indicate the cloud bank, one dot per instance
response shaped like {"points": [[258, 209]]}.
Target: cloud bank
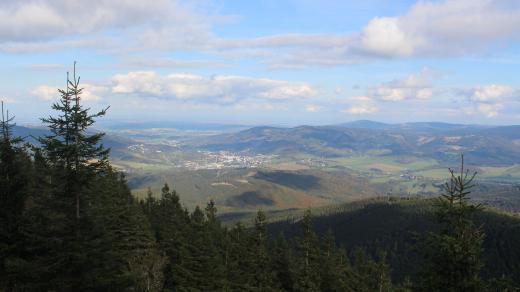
{"points": [[428, 29]]}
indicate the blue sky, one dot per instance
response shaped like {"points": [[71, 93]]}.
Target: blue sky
{"points": [[266, 62]]}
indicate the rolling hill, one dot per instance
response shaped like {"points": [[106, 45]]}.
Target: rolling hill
{"points": [[396, 226], [250, 189], [482, 145], [315, 165]]}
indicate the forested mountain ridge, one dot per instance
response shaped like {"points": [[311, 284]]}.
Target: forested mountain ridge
{"points": [[396, 226], [482, 144], [488, 145]]}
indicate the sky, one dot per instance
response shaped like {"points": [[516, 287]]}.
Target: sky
{"points": [[279, 62]]}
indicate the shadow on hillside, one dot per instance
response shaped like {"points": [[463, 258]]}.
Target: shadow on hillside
{"points": [[250, 199], [289, 179]]}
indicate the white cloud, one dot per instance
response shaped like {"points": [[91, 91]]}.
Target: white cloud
{"points": [[91, 93], [464, 26], [414, 86], [312, 108], [45, 92], [385, 37], [362, 98], [47, 19], [7, 100], [219, 88], [489, 100], [442, 28], [111, 27], [361, 109], [489, 110], [362, 105], [238, 91], [430, 28], [491, 93]]}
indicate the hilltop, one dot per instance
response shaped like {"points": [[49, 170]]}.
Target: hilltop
{"points": [[396, 226]]}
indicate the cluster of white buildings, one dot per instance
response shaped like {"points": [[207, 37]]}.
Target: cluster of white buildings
{"points": [[225, 159], [206, 159]]}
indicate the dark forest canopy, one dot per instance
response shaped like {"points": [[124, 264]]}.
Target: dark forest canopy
{"points": [[70, 223]]}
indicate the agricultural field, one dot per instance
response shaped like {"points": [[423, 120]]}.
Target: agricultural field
{"points": [[284, 168]]}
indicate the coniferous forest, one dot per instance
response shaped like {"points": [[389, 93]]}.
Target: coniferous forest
{"points": [[70, 223]]}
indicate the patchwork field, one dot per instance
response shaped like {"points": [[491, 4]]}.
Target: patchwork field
{"points": [[284, 168]]}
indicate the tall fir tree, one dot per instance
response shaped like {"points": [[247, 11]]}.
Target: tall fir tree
{"points": [[369, 274], [203, 260], [15, 172], [307, 268], [121, 248], [237, 259], [453, 255], [171, 224], [263, 276], [334, 266], [282, 263], [70, 147], [56, 230]]}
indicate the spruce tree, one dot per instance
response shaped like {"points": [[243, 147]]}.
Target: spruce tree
{"points": [[333, 266], [149, 204], [237, 259], [370, 275], [263, 277], [171, 225], [122, 251], [453, 255], [70, 147], [199, 258], [56, 231], [307, 269], [15, 166], [282, 263]]}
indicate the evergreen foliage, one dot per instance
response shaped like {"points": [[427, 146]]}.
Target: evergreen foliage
{"points": [[68, 222], [308, 269], [15, 171], [70, 147], [454, 254], [71, 223]]}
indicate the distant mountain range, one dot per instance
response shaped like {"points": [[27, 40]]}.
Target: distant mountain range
{"points": [[485, 145], [30, 134], [435, 126], [183, 126], [316, 165]]}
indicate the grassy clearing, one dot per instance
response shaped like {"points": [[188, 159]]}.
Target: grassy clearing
{"points": [[436, 173], [487, 172], [380, 179], [385, 167], [500, 172], [147, 167], [288, 166]]}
